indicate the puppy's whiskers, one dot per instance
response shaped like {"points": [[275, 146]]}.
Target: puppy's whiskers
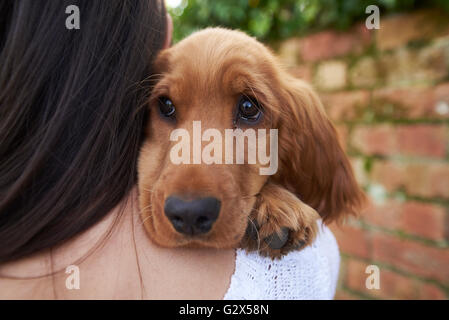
{"points": [[150, 206], [146, 218], [257, 233]]}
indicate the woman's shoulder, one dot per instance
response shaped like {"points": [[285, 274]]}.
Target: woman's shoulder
{"points": [[310, 273]]}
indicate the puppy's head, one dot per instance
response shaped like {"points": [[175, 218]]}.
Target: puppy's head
{"points": [[195, 190]]}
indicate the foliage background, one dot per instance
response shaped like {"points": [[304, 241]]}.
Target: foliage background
{"points": [[270, 20]]}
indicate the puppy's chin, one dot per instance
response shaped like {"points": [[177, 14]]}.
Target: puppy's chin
{"points": [[226, 233], [169, 238]]}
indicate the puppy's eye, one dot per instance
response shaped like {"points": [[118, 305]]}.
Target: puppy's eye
{"points": [[166, 107], [249, 109]]}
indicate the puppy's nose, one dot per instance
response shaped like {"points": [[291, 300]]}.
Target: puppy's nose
{"points": [[192, 217]]}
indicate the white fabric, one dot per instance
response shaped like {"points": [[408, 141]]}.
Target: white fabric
{"points": [[308, 274]]}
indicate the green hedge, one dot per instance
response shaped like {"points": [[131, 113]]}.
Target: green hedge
{"points": [[280, 19]]}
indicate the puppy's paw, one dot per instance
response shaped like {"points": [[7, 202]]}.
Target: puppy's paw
{"points": [[280, 223], [276, 240]]}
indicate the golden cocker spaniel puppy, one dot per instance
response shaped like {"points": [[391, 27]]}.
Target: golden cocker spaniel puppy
{"points": [[218, 80]]}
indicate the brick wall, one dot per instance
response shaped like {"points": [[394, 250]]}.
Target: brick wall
{"points": [[387, 91]]}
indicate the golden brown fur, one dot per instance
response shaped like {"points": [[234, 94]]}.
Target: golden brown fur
{"points": [[204, 75]]}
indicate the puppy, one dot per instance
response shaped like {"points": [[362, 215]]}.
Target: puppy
{"points": [[223, 79]]}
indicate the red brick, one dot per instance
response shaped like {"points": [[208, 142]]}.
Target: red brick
{"points": [[410, 140], [365, 73], [331, 75], [352, 240], [388, 174], [342, 274], [430, 292], [441, 93], [439, 180], [358, 166], [416, 218], [396, 286], [344, 295], [392, 284], [380, 139], [345, 105], [386, 215], [407, 66], [302, 72], [426, 180], [329, 44], [412, 102], [422, 260], [355, 275], [289, 51], [423, 140], [425, 220], [422, 24]]}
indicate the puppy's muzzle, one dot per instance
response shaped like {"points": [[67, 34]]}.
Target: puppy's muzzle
{"points": [[192, 217]]}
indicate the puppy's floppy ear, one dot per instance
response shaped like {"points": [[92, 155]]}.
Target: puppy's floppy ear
{"points": [[312, 163], [162, 61]]}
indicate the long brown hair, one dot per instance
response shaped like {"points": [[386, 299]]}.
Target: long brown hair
{"points": [[70, 117]]}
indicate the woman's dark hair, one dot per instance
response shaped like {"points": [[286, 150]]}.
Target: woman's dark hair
{"points": [[71, 120]]}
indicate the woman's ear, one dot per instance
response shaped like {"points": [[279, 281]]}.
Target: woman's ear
{"points": [[312, 162], [169, 32]]}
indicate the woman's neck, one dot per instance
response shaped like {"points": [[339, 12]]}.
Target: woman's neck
{"points": [[116, 260]]}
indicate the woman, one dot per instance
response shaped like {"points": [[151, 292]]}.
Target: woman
{"points": [[72, 110]]}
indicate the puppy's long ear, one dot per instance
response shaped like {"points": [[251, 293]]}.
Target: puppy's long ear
{"points": [[312, 162]]}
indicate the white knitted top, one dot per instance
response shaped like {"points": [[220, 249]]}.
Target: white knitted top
{"points": [[308, 274]]}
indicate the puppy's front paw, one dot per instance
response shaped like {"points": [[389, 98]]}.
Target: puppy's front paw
{"points": [[280, 223]]}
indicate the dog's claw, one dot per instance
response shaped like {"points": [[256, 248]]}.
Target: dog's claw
{"points": [[298, 245], [252, 230], [277, 241]]}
